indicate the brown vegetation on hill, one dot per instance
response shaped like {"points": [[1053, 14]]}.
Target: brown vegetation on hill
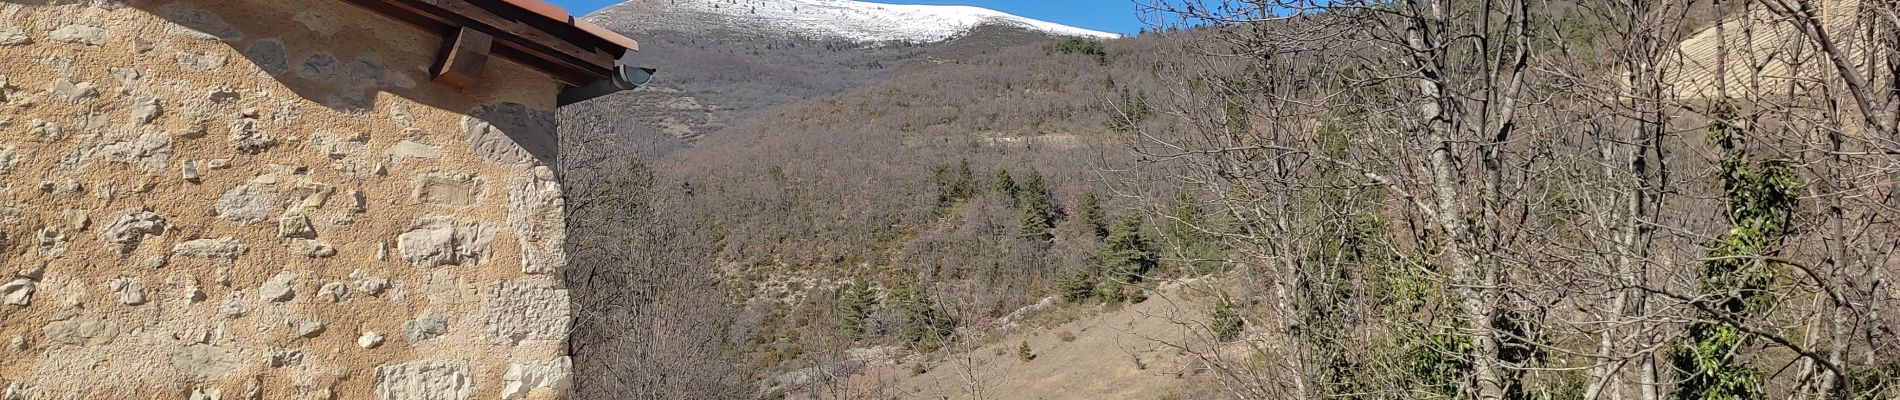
{"points": [[1489, 200], [1423, 199], [894, 188]]}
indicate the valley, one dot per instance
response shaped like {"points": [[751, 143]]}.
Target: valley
{"points": [[828, 199]]}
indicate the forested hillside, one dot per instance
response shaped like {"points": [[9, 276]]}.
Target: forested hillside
{"points": [[956, 191], [1443, 200]]}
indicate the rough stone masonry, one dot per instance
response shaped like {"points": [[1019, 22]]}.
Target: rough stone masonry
{"points": [[249, 199]]}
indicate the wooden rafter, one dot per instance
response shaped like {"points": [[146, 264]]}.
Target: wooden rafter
{"points": [[462, 58]]}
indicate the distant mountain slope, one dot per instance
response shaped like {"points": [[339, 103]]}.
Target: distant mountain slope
{"points": [[719, 65], [805, 160], [827, 19], [1748, 43]]}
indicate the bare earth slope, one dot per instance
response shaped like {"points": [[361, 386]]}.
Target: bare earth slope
{"points": [[1135, 352]]}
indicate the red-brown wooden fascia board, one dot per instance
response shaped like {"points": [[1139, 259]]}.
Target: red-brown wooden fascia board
{"points": [[608, 34], [532, 32]]}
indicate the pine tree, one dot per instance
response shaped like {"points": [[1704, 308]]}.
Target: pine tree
{"points": [[1005, 185], [943, 179], [1039, 211], [927, 327], [1035, 225], [1196, 250], [966, 181], [854, 306], [1129, 111], [1034, 192], [1127, 255], [1078, 287], [954, 185], [1093, 221]]}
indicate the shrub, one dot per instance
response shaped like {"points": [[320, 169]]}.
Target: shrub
{"points": [[1227, 322], [1023, 352], [1439, 364]]}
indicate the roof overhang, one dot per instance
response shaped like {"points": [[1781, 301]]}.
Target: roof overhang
{"points": [[531, 32]]}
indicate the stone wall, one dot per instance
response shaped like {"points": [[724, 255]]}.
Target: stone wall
{"points": [[267, 199]]}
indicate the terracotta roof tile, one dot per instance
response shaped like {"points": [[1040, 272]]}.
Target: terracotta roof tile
{"points": [[554, 12], [608, 34]]}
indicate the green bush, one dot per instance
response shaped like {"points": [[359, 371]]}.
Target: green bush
{"points": [[1763, 196], [1439, 364]]}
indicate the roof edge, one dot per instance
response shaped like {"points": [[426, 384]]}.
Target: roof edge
{"points": [[533, 32]]}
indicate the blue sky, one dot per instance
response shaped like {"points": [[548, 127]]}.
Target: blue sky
{"points": [[1103, 15]]}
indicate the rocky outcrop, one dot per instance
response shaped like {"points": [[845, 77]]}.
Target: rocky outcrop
{"points": [[129, 289], [81, 331], [151, 151]]}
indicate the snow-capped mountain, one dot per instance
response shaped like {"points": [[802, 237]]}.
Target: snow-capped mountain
{"points": [[725, 61], [824, 19]]}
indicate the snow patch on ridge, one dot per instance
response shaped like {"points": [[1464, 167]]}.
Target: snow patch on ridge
{"points": [[831, 19]]}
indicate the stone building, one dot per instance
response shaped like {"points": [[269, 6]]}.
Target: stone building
{"points": [[278, 199]]}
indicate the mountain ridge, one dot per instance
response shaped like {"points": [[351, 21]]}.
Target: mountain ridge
{"points": [[851, 20]]}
